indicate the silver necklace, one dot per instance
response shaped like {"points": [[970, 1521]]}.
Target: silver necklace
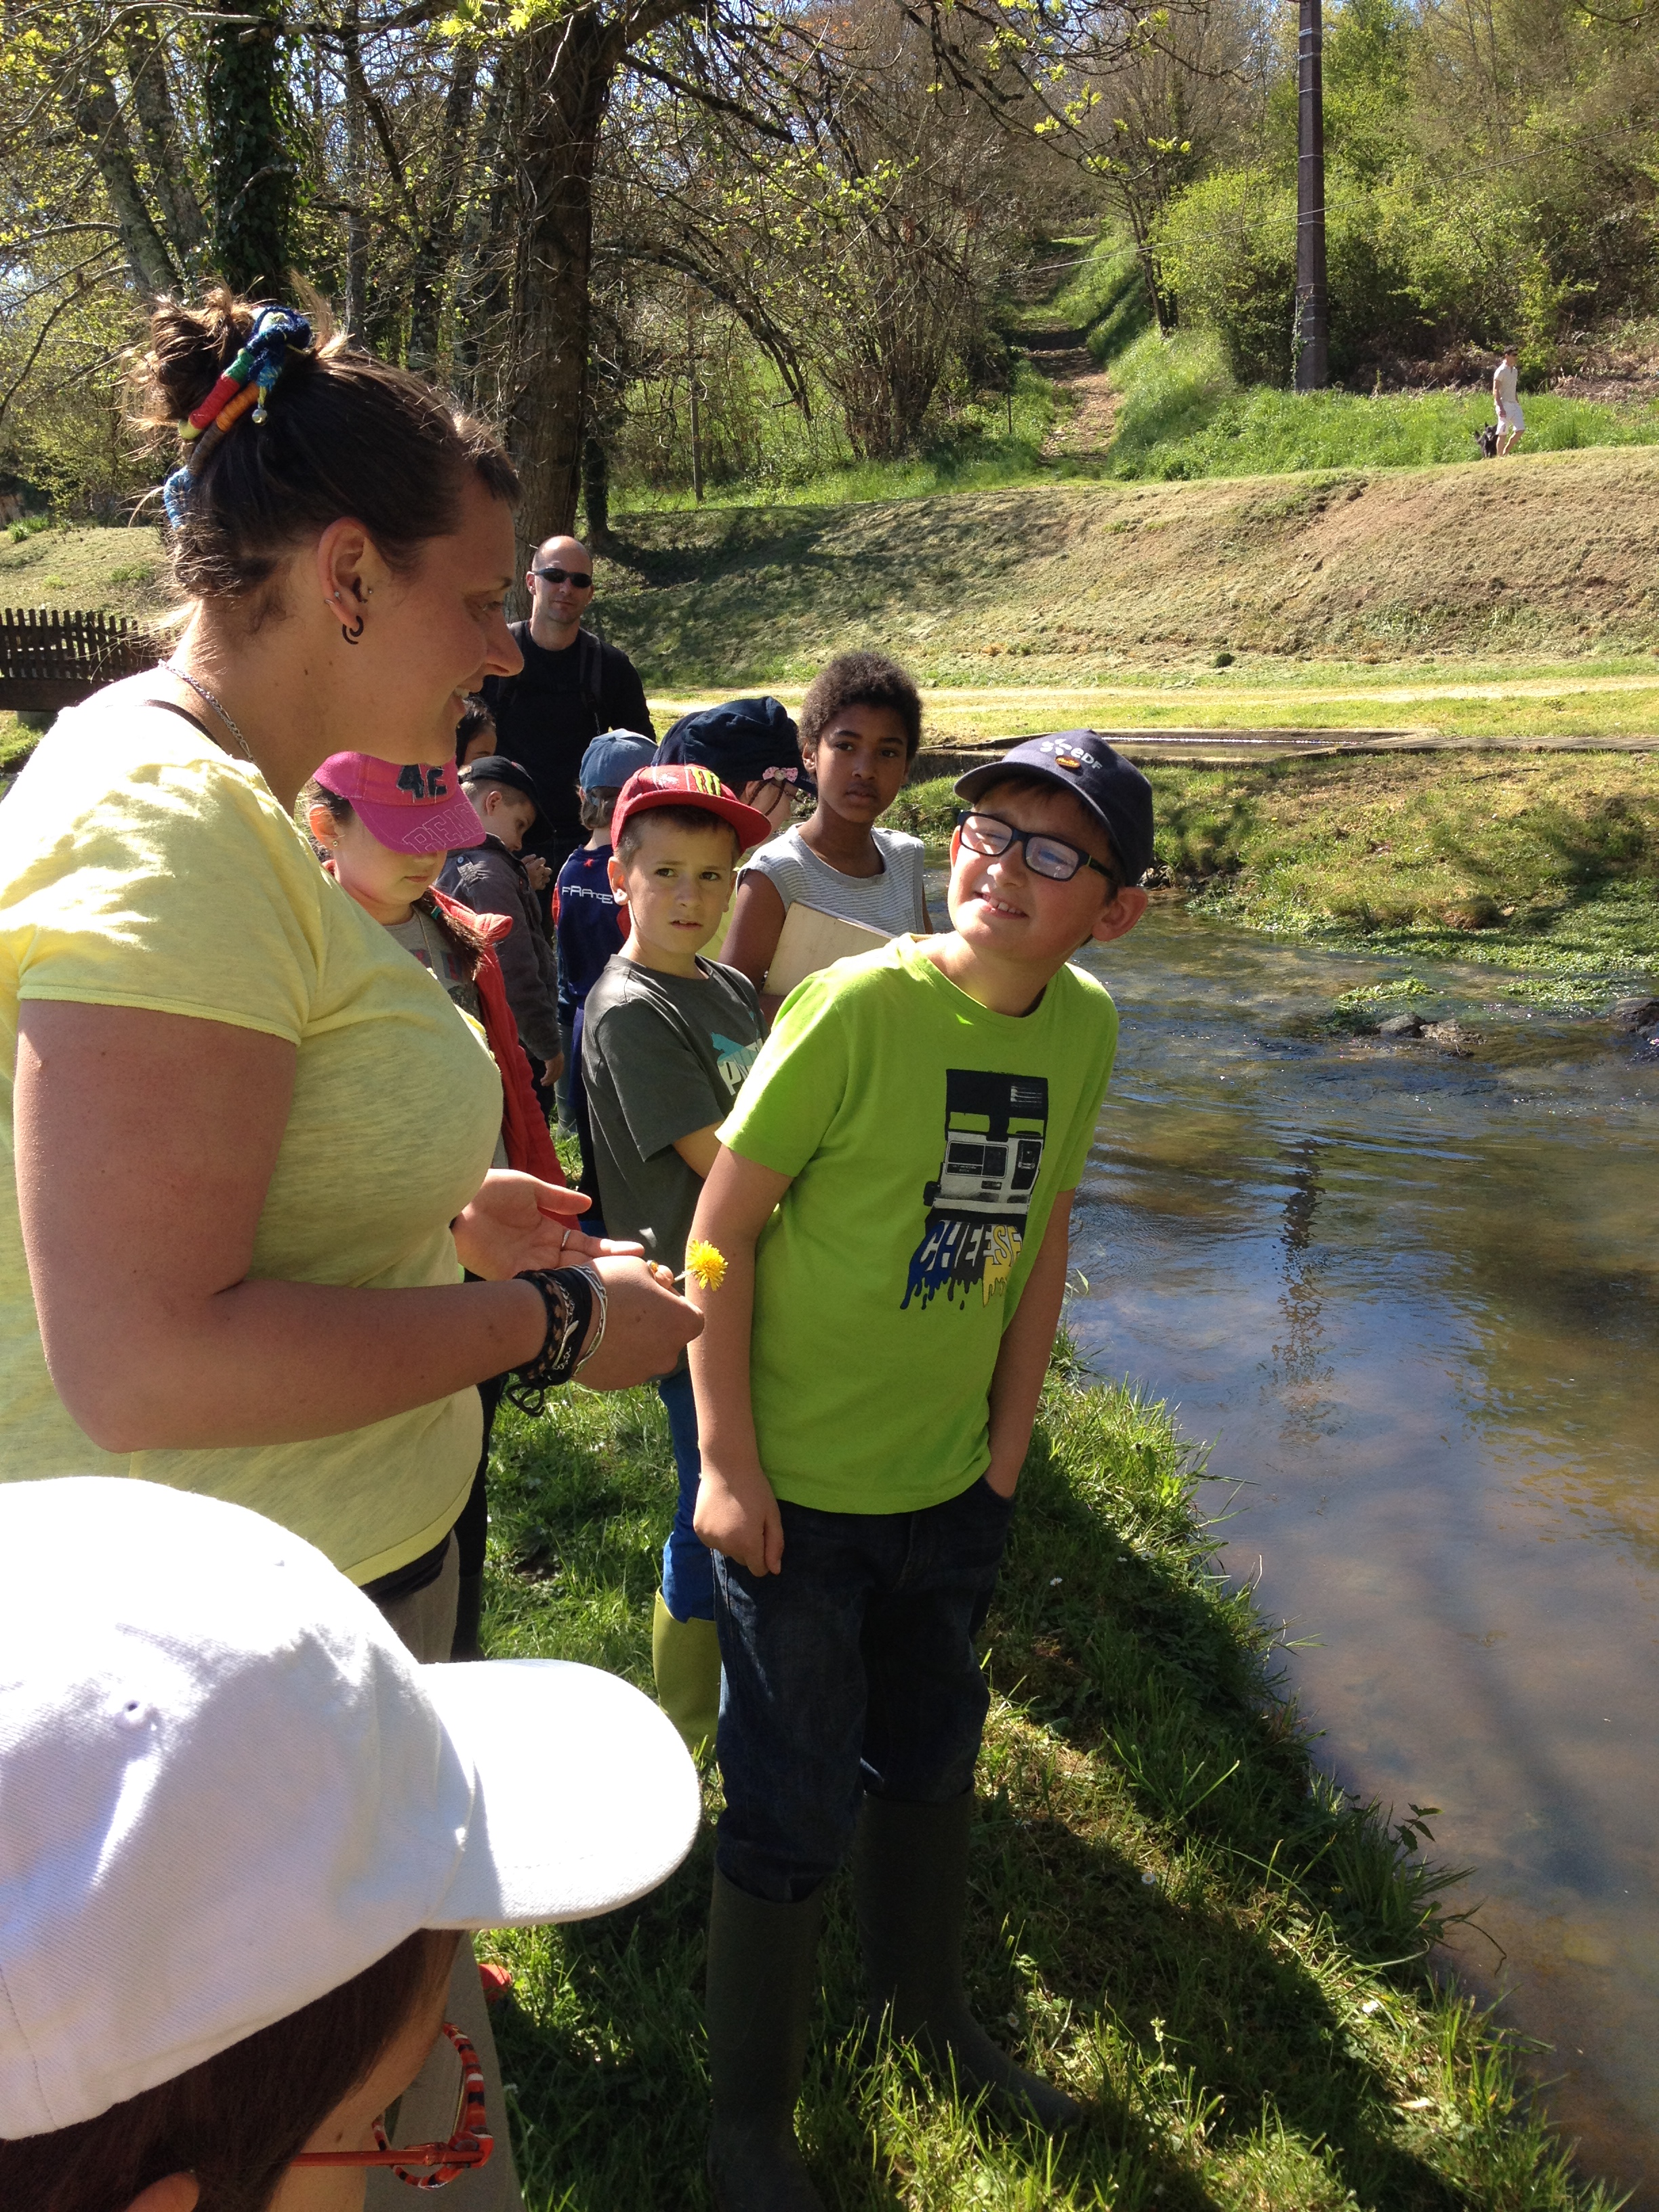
{"points": [[172, 668]]}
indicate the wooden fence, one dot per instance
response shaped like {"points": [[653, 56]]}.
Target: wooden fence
{"points": [[52, 658]]}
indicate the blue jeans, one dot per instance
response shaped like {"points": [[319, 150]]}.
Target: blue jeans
{"points": [[853, 1669], [688, 1581]]}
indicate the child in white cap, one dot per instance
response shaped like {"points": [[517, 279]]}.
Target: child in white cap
{"points": [[241, 1831]]}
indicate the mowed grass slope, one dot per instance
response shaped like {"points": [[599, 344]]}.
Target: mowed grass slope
{"points": [[1554, 556], [1171, 1909], [1331, 591]]}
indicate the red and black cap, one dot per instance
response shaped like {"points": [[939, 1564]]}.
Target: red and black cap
{"points": [[1081, 762], [681, 783]]}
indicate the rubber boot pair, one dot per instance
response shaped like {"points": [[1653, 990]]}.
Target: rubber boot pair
{"points": [[685, 1661], [910, 1875]]}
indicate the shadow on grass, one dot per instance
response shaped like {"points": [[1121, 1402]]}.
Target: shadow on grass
{"points": [[1169, 1909]]}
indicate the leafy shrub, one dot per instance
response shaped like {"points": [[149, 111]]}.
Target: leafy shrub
{"points": [[1227, 247]]}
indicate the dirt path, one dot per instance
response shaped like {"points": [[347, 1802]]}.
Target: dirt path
{"points": [[1088, 406]]}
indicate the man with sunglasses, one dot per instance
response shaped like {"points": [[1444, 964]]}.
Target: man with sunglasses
{"points": [[570, 690]]}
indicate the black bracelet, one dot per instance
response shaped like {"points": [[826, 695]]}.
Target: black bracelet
{"points": [[568, 1295]]}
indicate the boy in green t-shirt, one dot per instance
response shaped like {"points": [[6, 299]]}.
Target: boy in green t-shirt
{"points": [[891, 1197]]}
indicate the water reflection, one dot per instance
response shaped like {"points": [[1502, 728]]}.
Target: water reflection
{"points": [[1413, 1299]]}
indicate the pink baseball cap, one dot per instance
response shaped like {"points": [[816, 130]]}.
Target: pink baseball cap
{"points": [[682, 784], [409, 807]]}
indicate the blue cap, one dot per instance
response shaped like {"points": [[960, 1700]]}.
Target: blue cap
{"points": [[611, 760], [740, 741], [1081, 762]]}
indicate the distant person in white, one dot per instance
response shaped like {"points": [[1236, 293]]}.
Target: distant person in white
{"points": [[1510, 421]]}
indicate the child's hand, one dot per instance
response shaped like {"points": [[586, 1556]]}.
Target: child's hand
{"points": [[739, 1517]]}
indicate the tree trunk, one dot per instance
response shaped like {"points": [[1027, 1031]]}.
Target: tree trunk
{"points": [[248, 133], [437, 242], [99, 118], [567, 70], [164, 153], [356, 268], [596, 493]]}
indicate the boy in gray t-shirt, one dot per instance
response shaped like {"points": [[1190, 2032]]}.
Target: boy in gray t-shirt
{"points": [[667, 1039]]}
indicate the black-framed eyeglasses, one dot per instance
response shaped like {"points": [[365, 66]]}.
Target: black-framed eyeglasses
{"points": [[580, 580], [1042, 855]]}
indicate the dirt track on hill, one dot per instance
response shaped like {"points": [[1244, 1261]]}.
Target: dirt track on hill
{"points": [[1551, 555]]}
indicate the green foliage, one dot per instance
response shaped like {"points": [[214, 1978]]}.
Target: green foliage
{"points": [[1183, 416], [1227, 248], [1478, 190], [1170, 1909], [759, 450]]}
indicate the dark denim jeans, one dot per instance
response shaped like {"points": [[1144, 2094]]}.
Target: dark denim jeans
{"points": [[853, 1669]]}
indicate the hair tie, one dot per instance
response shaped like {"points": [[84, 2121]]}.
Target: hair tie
{"points": [[246, 384]]}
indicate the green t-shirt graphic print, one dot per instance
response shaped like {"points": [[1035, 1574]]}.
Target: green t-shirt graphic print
{"points": [[995, 1128], [926, 1137]]}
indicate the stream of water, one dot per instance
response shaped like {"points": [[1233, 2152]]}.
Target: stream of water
{"points": [[1413, 1300]]}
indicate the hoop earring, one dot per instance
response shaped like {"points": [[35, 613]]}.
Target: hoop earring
{"points": [[353, 631]]}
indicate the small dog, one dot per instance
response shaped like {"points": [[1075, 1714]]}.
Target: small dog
{"points": [[1487, 442]]}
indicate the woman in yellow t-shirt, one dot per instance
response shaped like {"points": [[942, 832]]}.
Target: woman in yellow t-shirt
{"points": [[250, 1136]]}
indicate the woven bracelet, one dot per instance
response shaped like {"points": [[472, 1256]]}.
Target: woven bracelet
{"points": [[570, 1295]]}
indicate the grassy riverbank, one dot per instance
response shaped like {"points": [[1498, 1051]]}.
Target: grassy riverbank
{"points": [[1172, 1911], [1538, 860]]}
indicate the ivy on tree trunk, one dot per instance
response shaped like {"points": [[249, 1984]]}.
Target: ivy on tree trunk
{"points": [[251, 130]]}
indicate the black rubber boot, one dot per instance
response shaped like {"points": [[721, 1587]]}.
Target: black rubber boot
{"points": [[762, 1977], [910, 1877], [469, 1613]]}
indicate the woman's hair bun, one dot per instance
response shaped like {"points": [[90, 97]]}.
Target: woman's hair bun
{"points": [[340, 433], [189, 349]]}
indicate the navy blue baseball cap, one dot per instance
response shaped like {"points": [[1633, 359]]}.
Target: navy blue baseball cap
{"points": [[744, 741], [611, 759], [1081, 762]]}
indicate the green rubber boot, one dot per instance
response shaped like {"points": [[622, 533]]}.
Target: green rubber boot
{"points": [[910, 1880], [763, 1976], [685, 1660]]}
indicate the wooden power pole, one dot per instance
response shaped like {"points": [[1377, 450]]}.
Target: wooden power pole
{"points": [[1311, 334]]}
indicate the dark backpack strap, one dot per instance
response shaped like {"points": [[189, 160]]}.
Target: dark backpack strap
{"points": [[590, 676]]}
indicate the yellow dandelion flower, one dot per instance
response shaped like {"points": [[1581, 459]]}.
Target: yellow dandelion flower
{"points": [[705, 1264]]}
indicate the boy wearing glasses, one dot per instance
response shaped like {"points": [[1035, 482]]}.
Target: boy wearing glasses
{"points": [[891, 1196], [570, 690]]}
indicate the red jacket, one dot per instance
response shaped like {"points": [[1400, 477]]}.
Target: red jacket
{"points": [[524, 1126]]}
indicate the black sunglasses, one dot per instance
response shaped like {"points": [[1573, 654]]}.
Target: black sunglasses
{"points": [[579, 577], [1042, 855]]}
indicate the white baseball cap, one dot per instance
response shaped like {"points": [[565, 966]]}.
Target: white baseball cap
{"points": [[226, 1788]]}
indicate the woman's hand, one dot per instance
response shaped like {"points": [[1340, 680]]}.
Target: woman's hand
{"points": [[517, 1221], [648, 1326]]}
